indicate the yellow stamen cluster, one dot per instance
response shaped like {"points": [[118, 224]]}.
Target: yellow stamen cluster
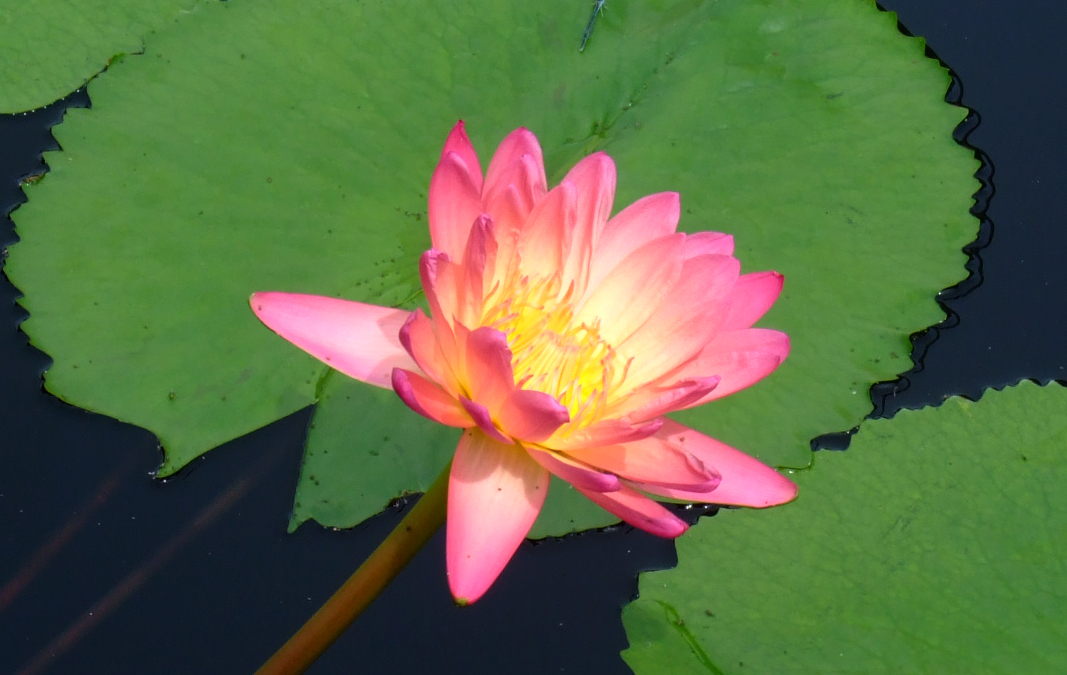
{"points": [[550, 352]]}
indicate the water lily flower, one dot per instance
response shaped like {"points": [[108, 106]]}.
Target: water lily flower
{"points": [[558, 336]]}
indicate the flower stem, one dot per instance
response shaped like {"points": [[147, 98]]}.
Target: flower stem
{"points": [[365, 584]]}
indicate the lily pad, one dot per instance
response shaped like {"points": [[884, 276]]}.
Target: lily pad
{"points": [[276, 145], [935, 544], [52, 47]]}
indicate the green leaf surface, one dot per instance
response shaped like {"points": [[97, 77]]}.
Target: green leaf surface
{"points": [[49, 48], [935, 544], [277, 145]]}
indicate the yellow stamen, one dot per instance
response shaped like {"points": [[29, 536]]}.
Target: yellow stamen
{"points": [[551, 353]]}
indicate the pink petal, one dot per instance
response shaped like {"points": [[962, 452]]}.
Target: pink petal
{"points": [[488, 374], [740, 358], [605, 432], [686, 320], [479, 257], [548, 231], [441, 285], [531, 415], [454, 202], [752, 296], [646, 219], [708, 243], [574, 473], [429, 400], [360, 340], [524, 181], [594, 180], [480, 414], [681, 395], [459, 143], [632, 292], [745, 480], [495, 492], [653, 462], [519, 148], [420, 340], [639, 511], [509, 213]]}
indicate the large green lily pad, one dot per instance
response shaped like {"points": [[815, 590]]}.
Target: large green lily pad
{"points": [[935, 544], [49, 48], [277, 145]]}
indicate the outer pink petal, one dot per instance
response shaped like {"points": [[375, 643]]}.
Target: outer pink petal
{"points": [[639, 511], [605, 432], [459, 143], [632, 292], [516, 146], [429, 400], [740, 358], [653, 462], [646, 219], [708, 243], [531, 415], [594, 179], [745, 480], [574, 473], [454, 202], [752, 296], [360, 340], [495, 492]]}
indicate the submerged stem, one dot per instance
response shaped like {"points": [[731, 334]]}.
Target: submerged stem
{"points": [[365, 584]]}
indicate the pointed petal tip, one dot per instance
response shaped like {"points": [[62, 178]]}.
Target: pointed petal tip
{"points": [[357, 339], [776, 493], [532, 416], [746, 481], [640, 511], [495, 493], [481, 416], [672, 529], [257, 300]]}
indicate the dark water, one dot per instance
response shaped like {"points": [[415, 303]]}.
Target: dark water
{"points": [[104, 570]]}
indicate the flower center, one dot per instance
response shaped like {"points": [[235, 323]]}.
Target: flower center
{"points": [[551, 353]]}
